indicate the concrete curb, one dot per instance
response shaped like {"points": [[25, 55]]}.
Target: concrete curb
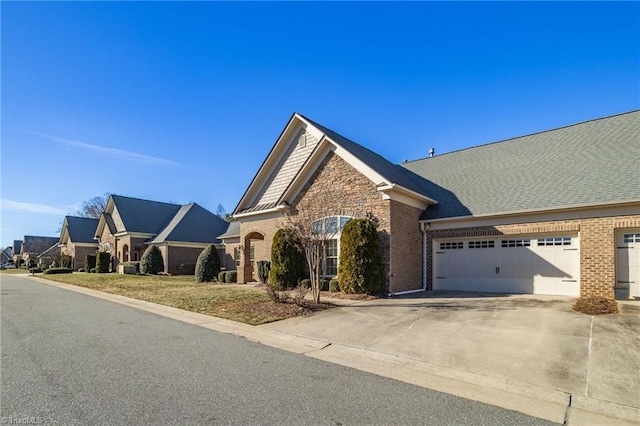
{"points": [[550, 404]]}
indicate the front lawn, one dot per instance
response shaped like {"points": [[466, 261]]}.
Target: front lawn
{"points": [[14, 271], [246, 304]]}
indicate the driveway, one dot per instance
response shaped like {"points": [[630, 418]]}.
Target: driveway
{"points": [[535, 340]]}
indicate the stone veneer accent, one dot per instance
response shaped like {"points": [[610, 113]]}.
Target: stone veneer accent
{"points": [[597, 246]]}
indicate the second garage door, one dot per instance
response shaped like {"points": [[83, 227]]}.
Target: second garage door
{"points": [[538, 265]]}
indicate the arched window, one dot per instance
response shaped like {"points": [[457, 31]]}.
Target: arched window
{"points": [[125, 253]]}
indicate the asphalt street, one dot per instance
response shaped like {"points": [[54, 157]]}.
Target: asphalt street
{"points": [[69, 358]]}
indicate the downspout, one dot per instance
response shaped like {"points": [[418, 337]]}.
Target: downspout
{"points": [[424, 264]]}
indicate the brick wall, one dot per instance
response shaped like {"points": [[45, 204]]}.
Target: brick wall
{"points": [[406, 248], [597, 246], [179, 255]]}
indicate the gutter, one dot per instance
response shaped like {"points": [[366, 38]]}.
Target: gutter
{"points": [[424, 264]]}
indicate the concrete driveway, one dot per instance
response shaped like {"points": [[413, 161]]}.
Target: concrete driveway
{"points": [[534, 340]]}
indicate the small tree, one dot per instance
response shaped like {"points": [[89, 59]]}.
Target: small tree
{"points": [[103, 260], [361, 268], [151, 261], [208, 264], [287, 262], [313, 232]]}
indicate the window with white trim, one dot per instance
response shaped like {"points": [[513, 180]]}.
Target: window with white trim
{"points": [[452, 245], [481, 244], [516, 243], [554, 241], [236, 255], [331, 226], [106, 247], [631, 238]]}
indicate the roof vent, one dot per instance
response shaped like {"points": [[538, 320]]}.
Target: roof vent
{"points": [[432, 152]]}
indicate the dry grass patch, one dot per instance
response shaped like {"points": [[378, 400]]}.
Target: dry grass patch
{"points": [[238, 303], [596, 306], [14, 271]]}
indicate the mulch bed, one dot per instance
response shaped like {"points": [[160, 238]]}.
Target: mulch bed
{"points": [[596, 306]]}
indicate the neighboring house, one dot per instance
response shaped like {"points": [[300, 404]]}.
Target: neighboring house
{"points": [[77, 239], [556, 212], [129, 225], [40, 250], [6, 255], [230, 258], [17, 248]]}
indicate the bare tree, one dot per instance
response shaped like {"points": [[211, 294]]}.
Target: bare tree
{"points": [[94, 207], [314, 230]]}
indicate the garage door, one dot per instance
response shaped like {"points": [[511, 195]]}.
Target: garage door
{"points": [[538, 265], [628, 265]]}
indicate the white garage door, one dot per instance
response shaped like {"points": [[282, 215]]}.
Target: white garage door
{"points": [[538, 265], [628, 265]]}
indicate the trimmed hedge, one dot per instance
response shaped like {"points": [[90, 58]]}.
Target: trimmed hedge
{"points": [[361, 268], [90, 262], [221, 276], [58, 271], [208, 264], [287, 262], [103, 261], [133, 263], [151, 261], [231, 277]]}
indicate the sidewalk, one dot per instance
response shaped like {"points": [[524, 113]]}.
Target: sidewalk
{"points": [[429, 342]]}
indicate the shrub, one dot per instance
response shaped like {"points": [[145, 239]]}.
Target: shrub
{"points": [[305, 283], [58, 271], [264, 266], [287, 262], [221, 276], [62, 261], [92, 270], [151, 261], [334, 286], [19, 263], [361, 269], [103, 260], [208, 264], [89, 262], [231, 277], [595, 305], [81, 270], [187, 269], [132, 263]]}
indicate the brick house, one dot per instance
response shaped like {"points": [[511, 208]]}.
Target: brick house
{"points": [[129, 225], [77, 239], [556, 212], [38, 250]]}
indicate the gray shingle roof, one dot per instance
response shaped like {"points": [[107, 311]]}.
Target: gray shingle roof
{"points": [[193, 223], [233, 231], [594, 162], [144, 215], [17, 246], [34, 245], [81, 229]]}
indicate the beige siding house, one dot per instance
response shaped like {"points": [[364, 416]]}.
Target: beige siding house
{"points": [[557, 212]]}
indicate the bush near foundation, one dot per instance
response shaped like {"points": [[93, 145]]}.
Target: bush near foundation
{"points": [[287, 262], [221, 276], [208, 265], [334, 286], [361, 268], [151, 261], [594, 305], [103, 259], [89, 262], [231, 277]]}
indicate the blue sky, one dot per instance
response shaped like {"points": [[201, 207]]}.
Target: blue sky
{"points": [[181, 102]]}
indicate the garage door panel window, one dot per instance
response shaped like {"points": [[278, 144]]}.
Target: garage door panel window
{"points": [[481, 244], [631, 238], [516, 243], [554, 241], [452, 245]]}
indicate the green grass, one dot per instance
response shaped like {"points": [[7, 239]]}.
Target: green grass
{"points": [[239, 303]]}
